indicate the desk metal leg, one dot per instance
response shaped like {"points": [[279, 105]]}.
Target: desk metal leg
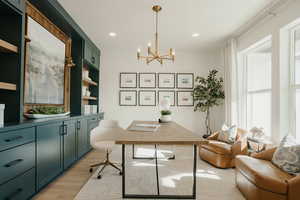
{"points": [[159, 196]]}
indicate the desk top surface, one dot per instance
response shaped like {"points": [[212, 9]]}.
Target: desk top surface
{"points": [[167, 134]]}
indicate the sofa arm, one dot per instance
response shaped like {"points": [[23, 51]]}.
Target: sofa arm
{"points": [[293, 188], [265, 155], [240, 147], [213, 136]]}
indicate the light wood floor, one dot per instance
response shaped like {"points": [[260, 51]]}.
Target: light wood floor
{"points": [[69, 184]]}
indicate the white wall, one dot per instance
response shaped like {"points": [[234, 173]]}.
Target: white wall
{"points": [[114, 62], [273, 26]]}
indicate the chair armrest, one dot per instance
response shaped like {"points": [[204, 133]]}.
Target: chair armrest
{"points": [[240, 147], [265, 155], [293, 188], [213, 136]]}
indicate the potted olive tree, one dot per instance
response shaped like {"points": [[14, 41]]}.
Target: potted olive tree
{"points": [[208, 93]]}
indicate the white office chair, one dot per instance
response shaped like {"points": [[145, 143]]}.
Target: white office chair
{"points": [[103, 138]]}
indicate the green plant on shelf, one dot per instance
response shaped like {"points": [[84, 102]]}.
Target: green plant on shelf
{"points": [[46, 110], [165, 112]]}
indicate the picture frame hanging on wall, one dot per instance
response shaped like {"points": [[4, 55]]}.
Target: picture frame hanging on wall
{"points": [[185, 98], [128, 80], [166, 80], [185, 80], [147, 98], [147, 80], [128, 98], [162, 94]]}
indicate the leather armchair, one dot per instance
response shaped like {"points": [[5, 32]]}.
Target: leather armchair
{"points": [[258, 179], [221, 154]]}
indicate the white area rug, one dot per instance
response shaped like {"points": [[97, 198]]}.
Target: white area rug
{"points": [[175, 177]]}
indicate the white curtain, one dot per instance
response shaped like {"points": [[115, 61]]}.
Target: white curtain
{"points": [[231, 86]]}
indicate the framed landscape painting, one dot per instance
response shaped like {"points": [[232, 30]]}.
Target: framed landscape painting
{"points": [[147, 80], [128, 80], [147, 98], [185, 80], [166, 80], [185, 98], [167, 94], [127, 98]]}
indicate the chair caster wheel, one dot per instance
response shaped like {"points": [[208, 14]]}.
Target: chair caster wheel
{"points": [[120, 173], [99, 177], [91, 170]]}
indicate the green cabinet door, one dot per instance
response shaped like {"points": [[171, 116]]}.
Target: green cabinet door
{"points": [[82, 139], [49, 153], [69, 143]]}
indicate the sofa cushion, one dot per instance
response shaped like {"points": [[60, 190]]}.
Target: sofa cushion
{"points": [[263, 174], [287, 155], [228, 134], [218, 147]]}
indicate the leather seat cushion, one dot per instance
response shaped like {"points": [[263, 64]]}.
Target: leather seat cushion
{"points": [[218, 147], [263, 174]]}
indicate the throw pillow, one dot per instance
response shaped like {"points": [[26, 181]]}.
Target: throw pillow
{"points": [[287, 155], [228, 134]]}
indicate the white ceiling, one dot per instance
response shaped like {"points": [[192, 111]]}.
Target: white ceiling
{"points": [[133, 21]]}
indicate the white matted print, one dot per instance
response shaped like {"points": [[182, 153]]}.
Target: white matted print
{"points": [[128, 80], [185, 98], [185, 80], [147, 98], [128, 98], [166, 80], [147, 80], [167, 94]]}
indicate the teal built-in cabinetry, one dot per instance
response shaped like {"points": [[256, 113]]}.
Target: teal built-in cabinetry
{"points": [[34, 152]]}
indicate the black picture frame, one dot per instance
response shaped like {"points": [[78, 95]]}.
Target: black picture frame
{"points": [[161, 87], [127, 73], [178, 92], [193, 80], [120, 103], [160, 91], [154, 74], [147, 91]]}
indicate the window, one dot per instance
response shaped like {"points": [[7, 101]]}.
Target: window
{"points": [[295, 81], [257, 90]]}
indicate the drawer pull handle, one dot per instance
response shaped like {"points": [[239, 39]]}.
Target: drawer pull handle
{"points": [[12, 163], [17, 192], [13, 139]]}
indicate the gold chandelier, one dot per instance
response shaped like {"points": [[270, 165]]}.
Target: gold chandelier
{"points": [[155, 54]]}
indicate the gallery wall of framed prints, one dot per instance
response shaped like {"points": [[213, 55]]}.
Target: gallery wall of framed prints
{"points": [[148, 89]]}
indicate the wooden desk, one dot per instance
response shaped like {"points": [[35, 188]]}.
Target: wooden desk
{"points": [[167, 134]]}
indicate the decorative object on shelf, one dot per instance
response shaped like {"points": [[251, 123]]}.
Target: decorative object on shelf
{"points": [[155, 54], [85, 74], [147, 80], [207, 94], [185, 81], [2, 108], [167, 94], [147, 98], [185, 98], [166, 80], [44, 79], [165, 110], [88, 93], [128, 80], [257, 132], [127, 98], [38, 112], [87, 110]]}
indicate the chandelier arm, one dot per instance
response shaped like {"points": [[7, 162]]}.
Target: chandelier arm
{"points": [[151, 53]]}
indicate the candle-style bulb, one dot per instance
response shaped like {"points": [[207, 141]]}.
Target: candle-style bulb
{"points": [[149, 44]]}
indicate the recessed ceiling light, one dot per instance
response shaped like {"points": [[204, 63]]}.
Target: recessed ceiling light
{"points": [[112, 34], [195, 35]]}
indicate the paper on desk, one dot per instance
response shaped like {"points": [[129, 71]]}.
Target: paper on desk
{"points": [[145, 127]]}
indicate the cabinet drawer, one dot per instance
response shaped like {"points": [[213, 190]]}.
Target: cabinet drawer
{"points": [[16, 161], [15, 138], [20, 188]]}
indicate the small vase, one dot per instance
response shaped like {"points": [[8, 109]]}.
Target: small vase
{"points": [[165, 118]]}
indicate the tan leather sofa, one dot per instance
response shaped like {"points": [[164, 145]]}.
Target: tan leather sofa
{"points": [[258, 179], [221, 154]]}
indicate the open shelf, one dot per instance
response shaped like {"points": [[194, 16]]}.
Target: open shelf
{"points": [[6, 47], [89, 82], [89, 98], [8, 86]]}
